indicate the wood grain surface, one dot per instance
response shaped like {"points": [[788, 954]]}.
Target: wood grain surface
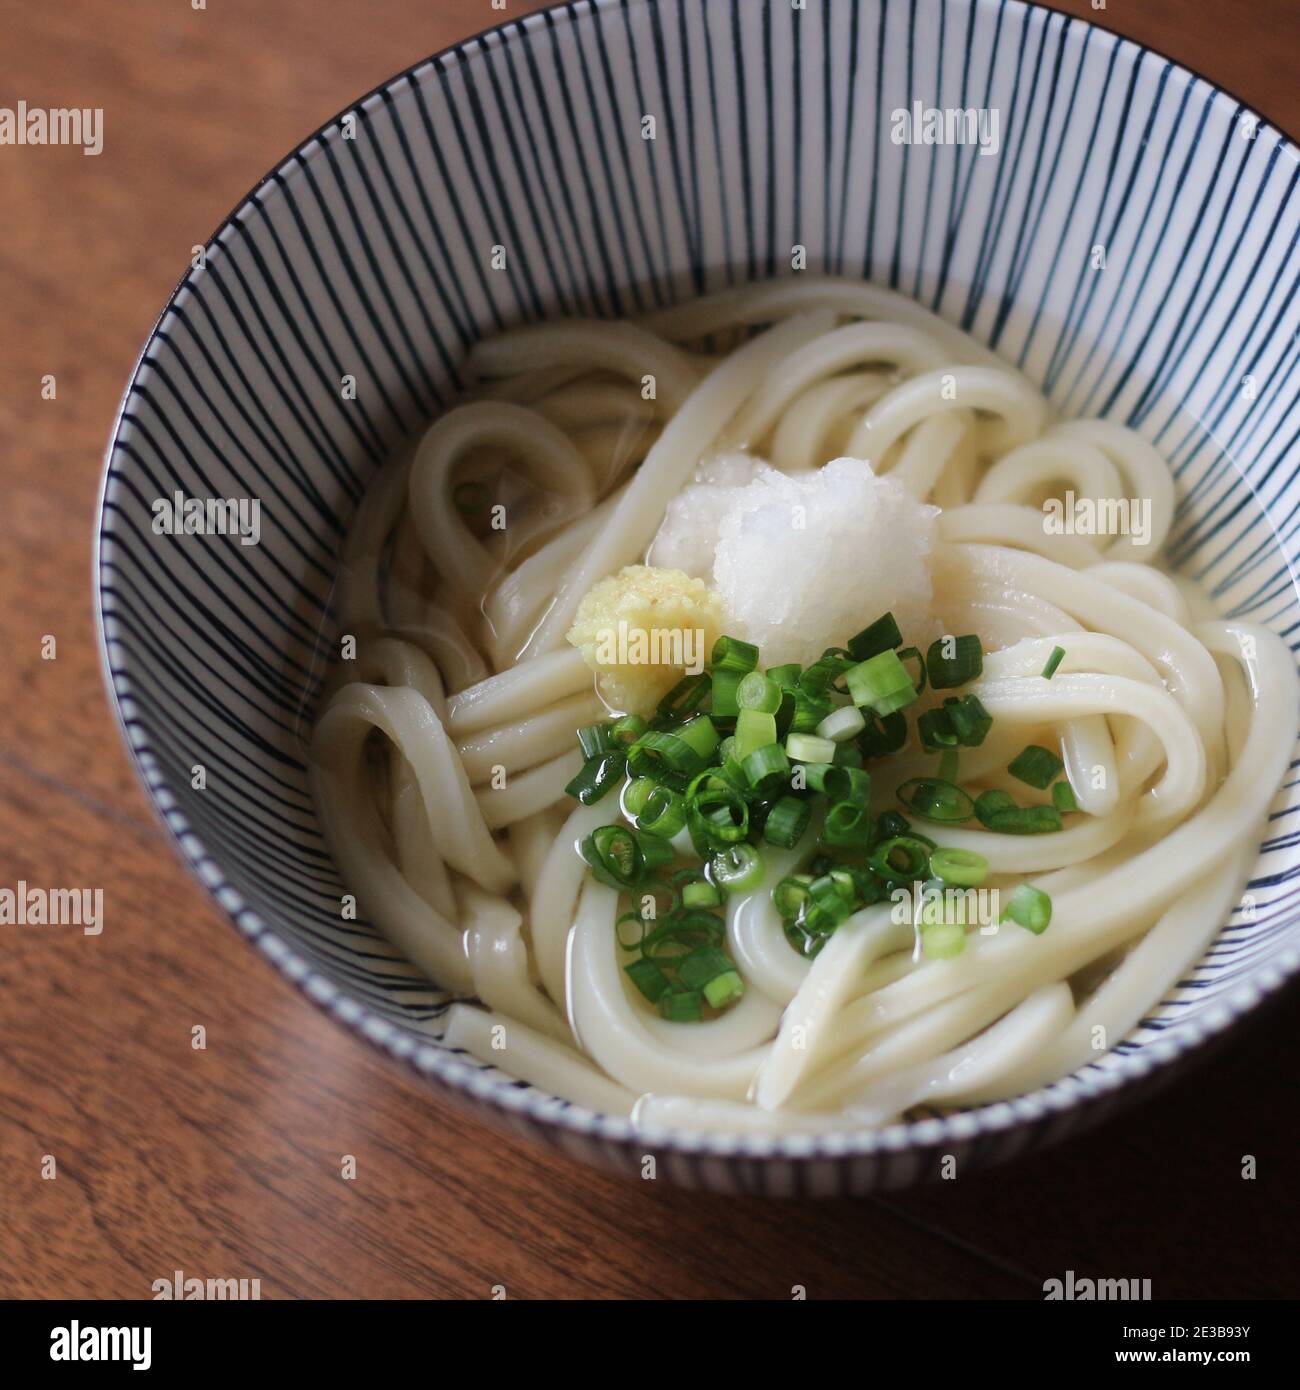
{"points": [[226, 1162]]}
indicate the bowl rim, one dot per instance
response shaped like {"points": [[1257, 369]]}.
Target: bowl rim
{"points": [[458, 1071]]}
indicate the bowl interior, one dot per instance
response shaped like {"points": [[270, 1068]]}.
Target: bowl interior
{"points": [[1130, 243]]}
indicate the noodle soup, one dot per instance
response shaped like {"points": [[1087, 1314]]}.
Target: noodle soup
{"points": [[767, 716]]}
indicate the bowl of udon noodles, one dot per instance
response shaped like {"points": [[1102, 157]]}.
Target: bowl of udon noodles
{"points": [[717, 579]]}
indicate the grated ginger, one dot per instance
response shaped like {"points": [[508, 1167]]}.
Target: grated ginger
{"points": [[642, 630]]}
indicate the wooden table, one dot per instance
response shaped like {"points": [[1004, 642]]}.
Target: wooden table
{"points": [[226, 1161]]}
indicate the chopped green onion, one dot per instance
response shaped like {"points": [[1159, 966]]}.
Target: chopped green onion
{"points": [[803, 940], [699, 967], [892, 823], [785, 715], [596, 739], [1030, 908], [789, 896], [840, 783], [825, 908], [628, 729], [882, 636], [717, 813], [1063, 797], [844, 882], [683, 930], [700, 893], [733, 795], [684, 698], [700, 735], [658, 752], [754, 729], [1037, 767], [993, 803], [964, 867], [959, 723], [787, 676], [934, 729], [848, 784], [883, 736], [614, 855], [724, 989], [596, 776], [682, 1005], [759, 692], [848, 755], [731, 769], [914, 654], [870, 889], [847, 826], [766, 763], [805, 748], [726, 686], [846, 722], [815, 774], [884, 860], [656, 852], [969, 719], [731, 654], [738, 868], [635, 796], [943, 940], [1053, 661], [649, 978], [809, 710], [998, 811], [708, 970], [964, 665], [882, 683], [826, 670], [787, 821], [654, 808], [931, 798], [721, 805]]}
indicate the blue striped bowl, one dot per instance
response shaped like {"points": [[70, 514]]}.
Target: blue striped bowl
{"points": [[368, 252]]}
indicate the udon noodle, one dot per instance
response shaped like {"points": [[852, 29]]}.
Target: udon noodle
{"points": [[445, 740]]}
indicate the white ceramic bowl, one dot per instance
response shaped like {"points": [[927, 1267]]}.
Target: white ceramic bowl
{"points": [[368, 252]]}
